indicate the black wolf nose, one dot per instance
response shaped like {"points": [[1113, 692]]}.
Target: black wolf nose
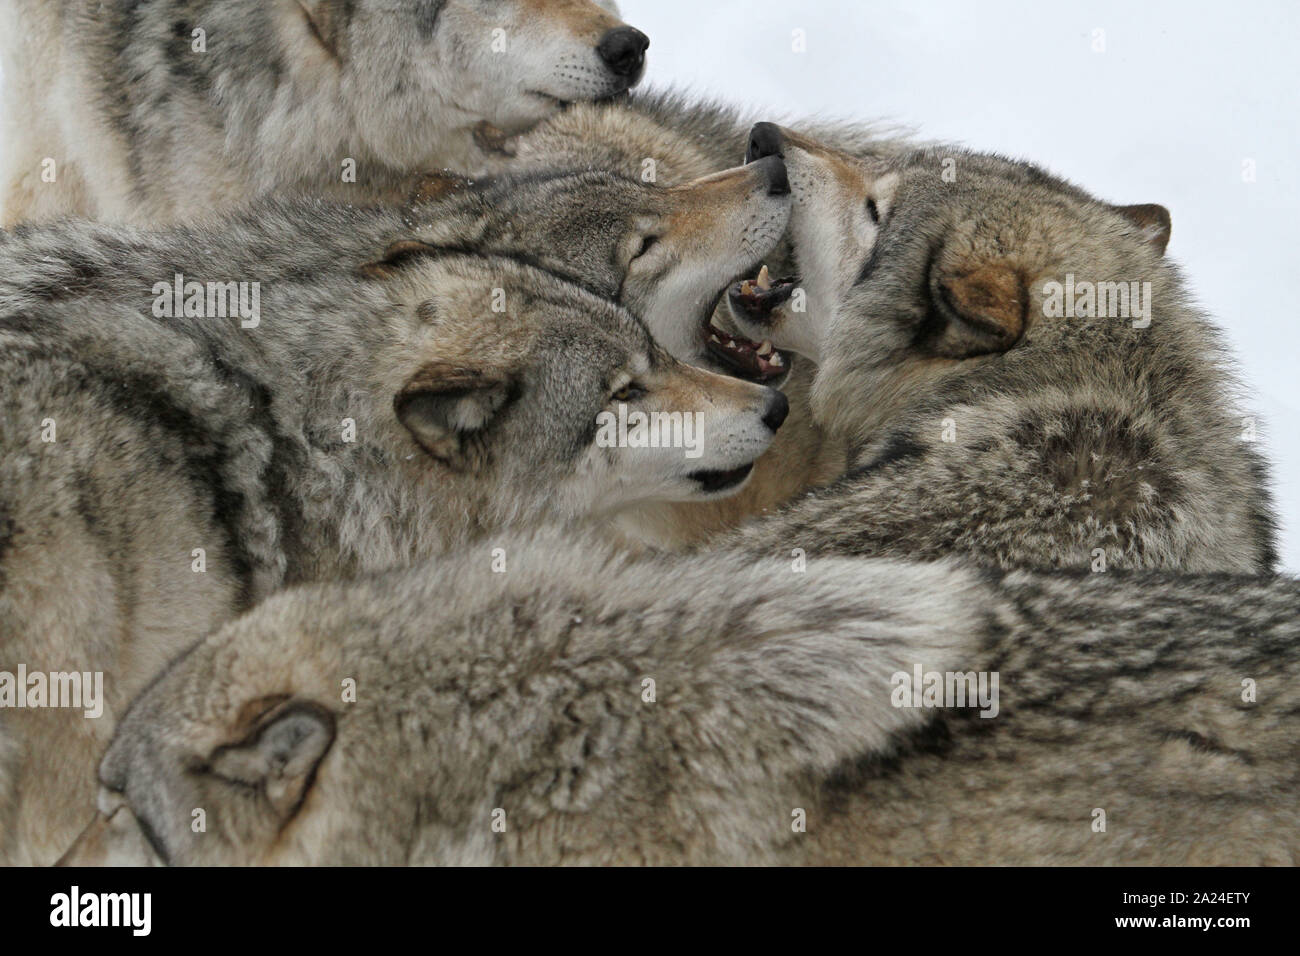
{"points": [[778, 407], [764, 140], [623, 50], [773, 169]]}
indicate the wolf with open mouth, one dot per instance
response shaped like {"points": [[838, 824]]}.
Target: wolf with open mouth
{"points": [[980, 419]]}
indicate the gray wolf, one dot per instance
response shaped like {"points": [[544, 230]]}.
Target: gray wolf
{"points": [[984, 415], [664, 253], [590, 707], [161, 470], [165, 110]]}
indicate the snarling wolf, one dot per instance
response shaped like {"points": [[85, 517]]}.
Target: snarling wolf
{"points": [[167, 110], [1020, 374], [163, 465], [587, 707]]}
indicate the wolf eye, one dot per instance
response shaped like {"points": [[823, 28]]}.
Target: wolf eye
{"points": [[628, 393], [647, 243], [873, 211]]}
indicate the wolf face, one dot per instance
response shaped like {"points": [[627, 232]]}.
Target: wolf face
{"points": [[176, 110], [456, 63], [908, 272], [667, 254], [250, 725], [560, 402]]}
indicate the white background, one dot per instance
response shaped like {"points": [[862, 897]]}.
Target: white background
{"points": [[1183, 94]]}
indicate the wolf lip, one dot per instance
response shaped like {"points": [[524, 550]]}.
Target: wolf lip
{"points": [[554, 100], [756, 303], [721, 480], [757, 361]]}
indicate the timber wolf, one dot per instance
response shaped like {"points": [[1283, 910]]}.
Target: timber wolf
{"points": [[170, 110], [713, 709], [985, 415], [664, 253], [163, 468]]}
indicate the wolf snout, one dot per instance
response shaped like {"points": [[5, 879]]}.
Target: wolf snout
{"points": [[774, 175], [765, 140], [778, 407], [623, 50]]}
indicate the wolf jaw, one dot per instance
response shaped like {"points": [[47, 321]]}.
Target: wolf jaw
{"points": [[754, 299]]}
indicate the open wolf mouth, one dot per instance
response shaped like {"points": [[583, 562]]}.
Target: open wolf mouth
{"points": [[721, 480], [754, 299]]}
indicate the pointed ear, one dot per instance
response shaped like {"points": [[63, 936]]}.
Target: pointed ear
{"points": [[430, 187], [396, 257], [447, 407], [982, 311], [281, 754], [1154, 221], [325, 21]]}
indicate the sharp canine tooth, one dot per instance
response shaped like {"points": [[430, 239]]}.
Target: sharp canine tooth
{"points": [[776, 360], [765, 349], [764, 279]]}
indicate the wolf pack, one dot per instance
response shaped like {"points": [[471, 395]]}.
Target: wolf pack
{"points": [[420, 446]]}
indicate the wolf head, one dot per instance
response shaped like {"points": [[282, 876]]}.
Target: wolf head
{"points": [[480, 693], [412, 69], [538, 398], [930, 264], [667, 254]]}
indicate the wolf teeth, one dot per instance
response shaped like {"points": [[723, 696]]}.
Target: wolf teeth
{"points": [[776, 360], [765, 349], [764, 279]]}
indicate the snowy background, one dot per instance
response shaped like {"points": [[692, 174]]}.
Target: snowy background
{"points": [[1181, 98]]}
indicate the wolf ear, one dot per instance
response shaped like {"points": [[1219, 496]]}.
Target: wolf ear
{"points": [[447, 407], [1154, 221], [281, 754], [984, 311]]}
